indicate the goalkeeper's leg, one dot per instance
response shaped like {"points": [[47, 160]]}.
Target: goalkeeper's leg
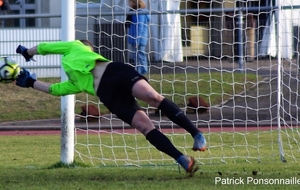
{"points": [[143, 91], [142, 123], [173, 112]]}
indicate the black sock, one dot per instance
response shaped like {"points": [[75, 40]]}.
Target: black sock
{"points": [[162, 143], [173, 112]]}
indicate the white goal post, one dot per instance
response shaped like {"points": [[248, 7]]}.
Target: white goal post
{"points": [[67, 102], [248, 49]]}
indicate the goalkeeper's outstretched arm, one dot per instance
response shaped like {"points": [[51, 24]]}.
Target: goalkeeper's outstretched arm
{"points": [[41, 86], [32, 51], [26, 79], [27, 53]]}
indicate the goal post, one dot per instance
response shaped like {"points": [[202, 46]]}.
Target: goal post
{"points": [[67, 102], [253, 114], [279, 79]]}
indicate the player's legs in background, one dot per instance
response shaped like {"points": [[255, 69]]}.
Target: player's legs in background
{"points": [[132, 54], [138, 58], [142, 60]]}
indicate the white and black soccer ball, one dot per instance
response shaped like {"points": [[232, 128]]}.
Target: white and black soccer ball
{"points": [[9, 70]]}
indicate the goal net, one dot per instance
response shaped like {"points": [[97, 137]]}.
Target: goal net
{"points": [[241, 57]]}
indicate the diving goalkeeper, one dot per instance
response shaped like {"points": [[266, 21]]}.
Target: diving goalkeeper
{"points": [[117, 85]]}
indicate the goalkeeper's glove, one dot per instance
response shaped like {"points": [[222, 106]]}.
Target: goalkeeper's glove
{"points": [[25, 78], [23, 50]]}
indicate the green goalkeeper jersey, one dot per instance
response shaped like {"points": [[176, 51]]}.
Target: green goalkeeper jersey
{"points": [[77, 60]]}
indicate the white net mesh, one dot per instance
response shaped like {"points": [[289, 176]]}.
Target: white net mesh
{"points": [[223, 51]]}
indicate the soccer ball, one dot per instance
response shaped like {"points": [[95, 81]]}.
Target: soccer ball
{"points": [[9, 70]]}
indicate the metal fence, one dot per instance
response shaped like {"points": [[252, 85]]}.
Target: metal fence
{"points": [[45, 66], [110, 38]]}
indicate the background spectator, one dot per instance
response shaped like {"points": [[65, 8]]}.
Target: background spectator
{"points": [[138, 35]]}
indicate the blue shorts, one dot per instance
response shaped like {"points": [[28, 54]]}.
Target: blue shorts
{"points": [[115, 90]]}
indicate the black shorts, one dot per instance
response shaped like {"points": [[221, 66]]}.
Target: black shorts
{"points": [[115, 90]]}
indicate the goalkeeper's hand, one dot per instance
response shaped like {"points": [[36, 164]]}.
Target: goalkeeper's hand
{"points": [[23, 50], [25, 79]]}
